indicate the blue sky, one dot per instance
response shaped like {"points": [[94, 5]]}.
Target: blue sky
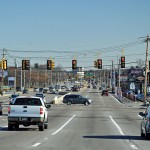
{"points": [[64, 28]]}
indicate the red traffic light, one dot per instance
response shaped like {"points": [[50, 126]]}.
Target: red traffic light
{"points": [[74, 64], [122, 62], [99, 63]]}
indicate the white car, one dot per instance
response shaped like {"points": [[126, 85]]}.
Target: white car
{"points": [[26, 111]]}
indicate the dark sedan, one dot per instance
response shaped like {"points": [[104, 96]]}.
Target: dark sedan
{"points": [[76, 99]]}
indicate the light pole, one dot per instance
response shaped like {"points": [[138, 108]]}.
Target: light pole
{"points": [[146, 69]]}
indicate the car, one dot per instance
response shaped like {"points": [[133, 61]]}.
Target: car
{"points": [[76, 99], [40, 89], [41, 95], [75, 88], [35, 89], [1, 108], [145, 123], [45, 90], [13, 96], [26, 111], [94, 87], [105, 92], [140, 97], [25, 91]]}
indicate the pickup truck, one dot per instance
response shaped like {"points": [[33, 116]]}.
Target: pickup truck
{"points": [[26, 111]]}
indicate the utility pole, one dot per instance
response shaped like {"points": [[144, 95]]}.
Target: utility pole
{"points": [[112, 78], [146, 69], [15, 77], [21, 78], [3, 58]]}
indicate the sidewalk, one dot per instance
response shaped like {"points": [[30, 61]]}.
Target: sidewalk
{"points": [[131, 103]]}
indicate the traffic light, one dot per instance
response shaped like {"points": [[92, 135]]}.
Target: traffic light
{"points": [[122, 62], [95, 64], [5, 64], [74, 64], [49, 64], [36, 65], [53, 65], [99, 63], [25, 65]]}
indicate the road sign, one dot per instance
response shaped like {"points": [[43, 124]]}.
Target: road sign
{"points": [[132, 86]]}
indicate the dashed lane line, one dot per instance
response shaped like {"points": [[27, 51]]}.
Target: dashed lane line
{"points": [[122, 133], [63, 125]]}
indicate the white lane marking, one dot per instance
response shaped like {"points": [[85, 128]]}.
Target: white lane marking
{"points": [[116, 100], [63, 125], [133, 146], [46, 139], [121, 132], [119, 129], [36, 144]]}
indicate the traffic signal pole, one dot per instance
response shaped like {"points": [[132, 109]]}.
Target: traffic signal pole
{"points": [[3, 70]]}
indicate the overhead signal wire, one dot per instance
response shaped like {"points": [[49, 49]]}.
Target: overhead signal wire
{"points": [[116, 48]]}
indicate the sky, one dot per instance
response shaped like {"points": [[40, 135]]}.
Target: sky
{"points": [[66, 29]]}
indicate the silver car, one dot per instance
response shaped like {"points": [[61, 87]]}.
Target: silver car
{"points": [[145, 124]]}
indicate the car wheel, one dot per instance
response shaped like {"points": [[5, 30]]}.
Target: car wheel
{"points": [[147, 136], [10, 127], [16, 126], [1, 113], [41, 127], [46, 125], [142, 134], [69, 103], [86, 103]]}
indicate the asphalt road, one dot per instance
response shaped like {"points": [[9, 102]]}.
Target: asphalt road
{"points": [[106, 124]]}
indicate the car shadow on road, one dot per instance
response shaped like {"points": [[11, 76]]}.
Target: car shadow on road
{"points": [[115, 137], [20, 129]]}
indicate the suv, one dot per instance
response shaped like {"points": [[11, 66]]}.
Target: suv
{"points": [[145, 123], [75, 88], [76, 99], [105, 92]]}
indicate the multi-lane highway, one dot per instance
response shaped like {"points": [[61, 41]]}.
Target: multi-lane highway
{"points": [[106, 124]]}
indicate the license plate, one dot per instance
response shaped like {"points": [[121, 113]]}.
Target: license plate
{"points": [[24, 119]]}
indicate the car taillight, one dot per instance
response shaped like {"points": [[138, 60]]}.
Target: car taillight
{"points": [[41, 110], [9, 110]]}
